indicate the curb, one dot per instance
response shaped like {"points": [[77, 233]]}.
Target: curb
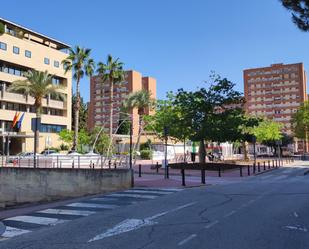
{"points": [[265, 171]]}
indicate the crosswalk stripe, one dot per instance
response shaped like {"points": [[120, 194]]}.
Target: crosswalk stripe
{"points": [[161, 189], [135, 196], [148, 191], [91, 205], [37, 220], [67, 211], [12, 232], [104, 199]]}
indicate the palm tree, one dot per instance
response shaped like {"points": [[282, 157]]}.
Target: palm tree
{"points": [[81, 64], [111, 72], [37, 85], [142, 101]]}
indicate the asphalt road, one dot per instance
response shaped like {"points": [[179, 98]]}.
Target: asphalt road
{"points": [[266, 211]]}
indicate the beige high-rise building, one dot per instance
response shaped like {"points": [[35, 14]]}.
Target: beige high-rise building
{"points": [[99, 106], [22, 49]]}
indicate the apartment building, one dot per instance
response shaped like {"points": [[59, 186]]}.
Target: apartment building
{"points": [[276, 92], [22, 49], [99, 106]]}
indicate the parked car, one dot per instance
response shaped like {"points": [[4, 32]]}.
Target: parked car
{"points": [[48, 152]]}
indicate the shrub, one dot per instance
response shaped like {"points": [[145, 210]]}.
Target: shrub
{"points": [[2, 28], [146, 154], [64, 147], [146, 145]]}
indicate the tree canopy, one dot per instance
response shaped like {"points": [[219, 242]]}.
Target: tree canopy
{"points": [[300, 12]]}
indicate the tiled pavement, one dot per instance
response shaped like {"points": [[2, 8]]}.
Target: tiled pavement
{"points": [[29, 222]]}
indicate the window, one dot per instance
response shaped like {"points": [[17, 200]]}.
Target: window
{"points": [[55, 81], [15, 50], [46, 61], [56, 63], [28, 53], [3, 46], [52, 128]]}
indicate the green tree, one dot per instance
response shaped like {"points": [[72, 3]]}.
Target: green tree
{"points": [[81, 64], [267, 132], [142, 101], [37, 85], [111, 73], [83, 114], [209, 111], [300, 12]]}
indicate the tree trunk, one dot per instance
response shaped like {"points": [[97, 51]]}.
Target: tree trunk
{"points": [[76, 117], [37, 133], [245, 151], [111, 88], [202, 152]]}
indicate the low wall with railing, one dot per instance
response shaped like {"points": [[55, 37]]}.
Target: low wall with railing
{"points": [[29, 185]]}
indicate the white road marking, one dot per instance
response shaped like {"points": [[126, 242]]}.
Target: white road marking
{"points": [[135, 196], [192, 236], [91, 205], [299, 228], [37, 220], [295, 214], [229, 214], [12, 232], [133, 224], [280, 177], [251, 201], [65, 211], [162, 189], [211, 224], [104, 199], [148, 191], [266, 177]]}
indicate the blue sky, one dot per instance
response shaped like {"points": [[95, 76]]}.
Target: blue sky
{"points": [[178, 42]]}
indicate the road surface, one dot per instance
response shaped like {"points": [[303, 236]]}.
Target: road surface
{"points": [[270, 210]]}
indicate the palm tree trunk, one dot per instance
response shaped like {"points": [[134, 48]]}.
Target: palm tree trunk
{"points": [[37, 133], [111, 108], [76, 117]]}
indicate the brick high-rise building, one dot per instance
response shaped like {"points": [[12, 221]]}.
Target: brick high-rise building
{"points": [[275, 91], [99, 106]]}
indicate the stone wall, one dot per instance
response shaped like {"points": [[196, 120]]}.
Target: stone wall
{"points": [[28, 185]]}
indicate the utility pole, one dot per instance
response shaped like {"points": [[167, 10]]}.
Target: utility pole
{"points": [[131, 134]]}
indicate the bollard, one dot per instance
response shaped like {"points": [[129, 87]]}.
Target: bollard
{"points": [[73, 164], [219, 171], [109, 164], [60, 164], [248, 170], [203, 176], [57, 161], [259, 167], [276, 163], [264, 164], [139, 170], [240, 170], [254, 169], [268, 164], [183, 177], [115, 165], [93, 165], [78, 161], [273, 162], [157, 168]]}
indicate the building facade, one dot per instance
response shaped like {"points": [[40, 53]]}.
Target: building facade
{"points": [[276, 92], [99, 106], [22, 49]]}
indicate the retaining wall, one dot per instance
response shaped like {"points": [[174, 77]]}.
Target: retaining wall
{"points": [[28, 185]]}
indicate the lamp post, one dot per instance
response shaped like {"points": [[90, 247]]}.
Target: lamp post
{"points": [[131, 133], [165, 154], [279, 142]]}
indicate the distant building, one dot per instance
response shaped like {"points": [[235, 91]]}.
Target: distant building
{"points": [[22, 49], [99, 106], [276, 92]]}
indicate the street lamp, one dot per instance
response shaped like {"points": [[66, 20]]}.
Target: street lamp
{"points": [[165, 154], [254, 148]]}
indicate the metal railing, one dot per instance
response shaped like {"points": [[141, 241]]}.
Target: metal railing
{"points": [[67, 161]]}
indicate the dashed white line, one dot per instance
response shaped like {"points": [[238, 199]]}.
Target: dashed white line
{"points": [[211, 224], [148, 191], [192, 236], [230, 214]]}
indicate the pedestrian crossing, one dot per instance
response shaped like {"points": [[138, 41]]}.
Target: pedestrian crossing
{"points": [[23, 224], [284, 175]]}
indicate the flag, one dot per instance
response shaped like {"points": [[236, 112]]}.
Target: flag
{"points": [[15, 119], [20, 121]]}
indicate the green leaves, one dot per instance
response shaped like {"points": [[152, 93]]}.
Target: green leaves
{"points": [[300, 121], [267, 132], [300, 12]]}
